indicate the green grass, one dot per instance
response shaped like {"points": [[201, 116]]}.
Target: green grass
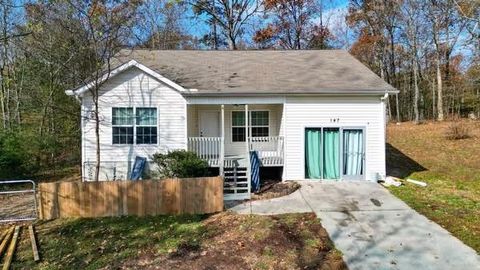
{"points": [[450, 168], [96, 243], [291, 241]]}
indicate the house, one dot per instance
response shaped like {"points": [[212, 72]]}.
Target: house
{"points": [[317, 114]]}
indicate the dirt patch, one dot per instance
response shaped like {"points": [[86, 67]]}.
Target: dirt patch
{"points": [[17, 206], [275, 190], [294, 241]]}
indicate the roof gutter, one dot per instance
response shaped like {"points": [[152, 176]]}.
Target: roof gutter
{"points": [[327, 93]]}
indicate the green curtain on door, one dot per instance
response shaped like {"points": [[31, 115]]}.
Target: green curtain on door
{"points": [[313, 142], [331, 151]]}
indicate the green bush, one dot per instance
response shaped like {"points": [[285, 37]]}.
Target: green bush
{"points": [[180, 163], [16, 157]]}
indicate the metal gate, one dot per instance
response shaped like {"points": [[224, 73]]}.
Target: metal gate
{"points": [[18, 201]]}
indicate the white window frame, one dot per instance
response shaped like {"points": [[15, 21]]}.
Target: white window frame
{"points": [[134, 125], [249, 123], [251, 126], [154, 125]]}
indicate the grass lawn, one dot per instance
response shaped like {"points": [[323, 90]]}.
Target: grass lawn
{"points": [[451, 169], [221, 241]]}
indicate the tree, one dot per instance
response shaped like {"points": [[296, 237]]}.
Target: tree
{"points": [[160, 26], [446, 28], [10, 70], [411, 10], [103, 27], [292, 25], [379, 19], [230, 16]]}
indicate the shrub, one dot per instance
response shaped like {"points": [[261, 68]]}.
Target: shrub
{"points": [[16, 157], [180, 163], [457, 131]]}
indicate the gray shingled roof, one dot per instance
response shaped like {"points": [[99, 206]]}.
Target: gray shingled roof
{"points": [[262, 72]]}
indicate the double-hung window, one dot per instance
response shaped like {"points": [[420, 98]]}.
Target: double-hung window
{"points": [[146, 125], [238, 126], [258, 125], [122, 125], [128, 127]]}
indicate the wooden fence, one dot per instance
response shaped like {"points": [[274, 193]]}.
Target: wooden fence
{"points": [[141, 198]]}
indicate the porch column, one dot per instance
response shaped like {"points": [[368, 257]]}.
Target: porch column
{"points": [[222, 139], [247, 129], [247, 140]]}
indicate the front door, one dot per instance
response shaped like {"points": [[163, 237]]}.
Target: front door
{"points": [[209, 124]]}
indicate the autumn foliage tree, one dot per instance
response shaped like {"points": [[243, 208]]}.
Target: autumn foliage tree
{"points": [[292, 26]]}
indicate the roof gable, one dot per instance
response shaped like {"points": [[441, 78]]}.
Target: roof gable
{"points": [[118, 70]]}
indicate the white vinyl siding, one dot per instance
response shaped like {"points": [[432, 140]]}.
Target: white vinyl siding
{"points": [[134, 88], [302, 112]]}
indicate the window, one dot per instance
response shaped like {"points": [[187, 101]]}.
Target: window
{"points": [[122, 124], [259, 125], [238, 126], [126, 125], [146, 125]]}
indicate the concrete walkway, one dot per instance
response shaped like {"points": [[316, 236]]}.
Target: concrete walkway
{"points": [[372, 228]]}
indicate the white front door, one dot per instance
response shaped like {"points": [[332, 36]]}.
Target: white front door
{"points": [[209, 124]]}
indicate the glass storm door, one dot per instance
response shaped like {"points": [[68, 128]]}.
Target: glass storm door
{"points": [[353, 153]]}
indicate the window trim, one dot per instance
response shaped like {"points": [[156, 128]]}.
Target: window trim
{"points": [[250, 126], [249, 123], [134, 125], [113, 126], [235, 126]]}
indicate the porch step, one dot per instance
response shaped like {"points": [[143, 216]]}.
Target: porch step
{"points": [[236, 186]]}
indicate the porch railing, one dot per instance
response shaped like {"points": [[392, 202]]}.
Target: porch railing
{"points": [[270, 149], [207, 148]]}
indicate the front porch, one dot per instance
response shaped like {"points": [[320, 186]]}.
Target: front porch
{"points": [[221, 133], [225, 135]]}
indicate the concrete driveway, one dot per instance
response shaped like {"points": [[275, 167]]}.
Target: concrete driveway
{"points": [[372, 228]]}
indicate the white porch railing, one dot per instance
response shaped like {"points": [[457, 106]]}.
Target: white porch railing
{"points": [[270, 149], [207, 148]]}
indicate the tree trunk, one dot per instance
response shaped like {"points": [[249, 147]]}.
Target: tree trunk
{"points": [[397, 103], [231, 43], [434, 95], [440, 116], [215, 38], [417, 93], [97, 138]]}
